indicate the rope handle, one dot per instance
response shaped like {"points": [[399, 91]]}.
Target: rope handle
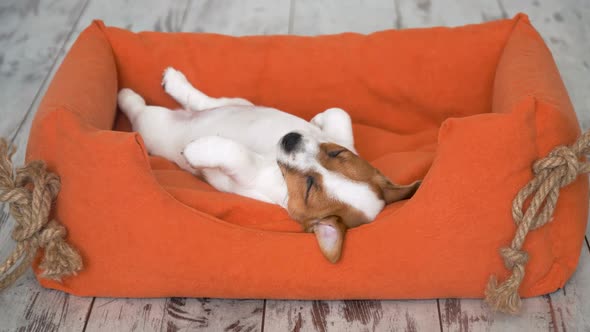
{"points": [[30, 191], [558, 169]]}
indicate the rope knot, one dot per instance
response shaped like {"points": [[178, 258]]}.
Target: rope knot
{"points": [[52, 233], [562, 160], [30, 191], [60, 259], [513, 257]]}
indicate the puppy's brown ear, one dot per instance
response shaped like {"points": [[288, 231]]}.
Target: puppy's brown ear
{"points": [[330, 235], [394, 192]]}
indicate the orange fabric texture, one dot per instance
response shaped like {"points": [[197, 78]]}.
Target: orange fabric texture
{"points": [[468, 109]]}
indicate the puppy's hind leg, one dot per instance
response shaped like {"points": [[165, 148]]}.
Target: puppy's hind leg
{"points": [[178, 87]]}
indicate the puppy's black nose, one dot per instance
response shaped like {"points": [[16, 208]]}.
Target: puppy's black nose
{"points": [[290, 141]]}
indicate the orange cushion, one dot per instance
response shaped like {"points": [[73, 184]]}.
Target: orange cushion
{"points": [[467, 108]]}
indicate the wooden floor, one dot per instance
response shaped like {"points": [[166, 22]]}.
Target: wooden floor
{"points": [[35, 35]]}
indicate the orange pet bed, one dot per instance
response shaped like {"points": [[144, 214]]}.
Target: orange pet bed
{"points": [[468, 109]]}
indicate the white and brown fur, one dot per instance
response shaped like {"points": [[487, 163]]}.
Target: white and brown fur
{"points": [[309, 168]]}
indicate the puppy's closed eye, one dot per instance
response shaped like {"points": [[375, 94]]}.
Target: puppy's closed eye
{"points": [[335, 153], [310, 182]]}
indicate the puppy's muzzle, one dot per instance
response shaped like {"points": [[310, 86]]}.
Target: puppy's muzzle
{"points": [[291, 142]]}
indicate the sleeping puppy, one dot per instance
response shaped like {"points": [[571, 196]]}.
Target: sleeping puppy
{"points": [[309, 168]]}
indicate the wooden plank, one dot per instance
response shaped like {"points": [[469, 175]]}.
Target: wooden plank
{"points": [[126, 315], [213, 314], [360, 315], [136, 15], [311, 17], [570, 305], [26, 306], [239, 18], [175, 314], [31, 35], [475, 315], [427, 13]]}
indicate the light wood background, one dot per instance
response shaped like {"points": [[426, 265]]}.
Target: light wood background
{"points": [[35, 35]]}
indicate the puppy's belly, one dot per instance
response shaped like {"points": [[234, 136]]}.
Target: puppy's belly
{"points": [[163, 133]]}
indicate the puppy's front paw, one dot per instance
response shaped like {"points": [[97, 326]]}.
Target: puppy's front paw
{"points": [[172, 79]]}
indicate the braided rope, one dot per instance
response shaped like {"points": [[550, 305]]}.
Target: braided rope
{"points": [[560, 168], [30, 191]]}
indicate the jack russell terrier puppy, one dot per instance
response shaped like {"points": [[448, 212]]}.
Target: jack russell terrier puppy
{"points": [[309, 168]]}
